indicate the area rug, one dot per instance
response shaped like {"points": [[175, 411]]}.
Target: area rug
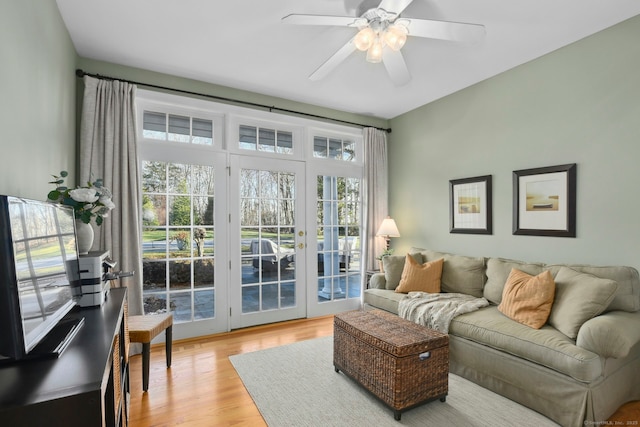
{"points": [[296, 385]]}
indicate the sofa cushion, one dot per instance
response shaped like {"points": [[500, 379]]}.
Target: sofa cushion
{"points": [[628, 293], [527, 299], [417, 277], [384, 299], [579, 297], [460, 274], [546, 346], [393, 266], [498, 270]]}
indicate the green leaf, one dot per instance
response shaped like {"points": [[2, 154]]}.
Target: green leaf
{"points": [[53, 195], [64, 174], [99, 220], [85, 217]]}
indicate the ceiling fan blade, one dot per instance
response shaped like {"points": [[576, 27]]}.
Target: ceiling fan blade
{"points": [[444, 30], [340, 21], [333, 61], [396, 67], [394, 6]]}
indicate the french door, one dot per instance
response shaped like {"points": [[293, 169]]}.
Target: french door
{"points": [[267, 240], [246, 219]]}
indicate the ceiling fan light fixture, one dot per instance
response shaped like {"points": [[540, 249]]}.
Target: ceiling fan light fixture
{"points": [[364, 39], [395, 36], [374, 54]]}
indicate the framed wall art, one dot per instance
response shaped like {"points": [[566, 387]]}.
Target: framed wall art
{"points": [[544, 201], [470, 205]]}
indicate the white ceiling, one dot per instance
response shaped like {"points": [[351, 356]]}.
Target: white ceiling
{"points": [[242, 44]]}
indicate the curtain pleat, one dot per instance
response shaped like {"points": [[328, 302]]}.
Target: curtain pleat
{"points": [[376, 191], [108, 151]]}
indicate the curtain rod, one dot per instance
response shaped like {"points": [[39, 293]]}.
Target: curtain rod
{"points": [[81, 73]]}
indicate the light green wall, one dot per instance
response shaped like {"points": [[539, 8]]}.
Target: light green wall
{"points": [[37, 97], [580, 104]]}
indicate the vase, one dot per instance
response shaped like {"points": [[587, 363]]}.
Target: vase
{"points": [[84, 237]]}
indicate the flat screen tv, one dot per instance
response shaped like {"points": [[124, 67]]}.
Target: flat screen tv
{"points": [[39, 277]]}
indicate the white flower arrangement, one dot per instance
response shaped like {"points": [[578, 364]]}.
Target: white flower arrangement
{"points": [[90, 202]]}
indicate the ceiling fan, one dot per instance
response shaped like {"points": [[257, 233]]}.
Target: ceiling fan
{"points": [[382, 33]]}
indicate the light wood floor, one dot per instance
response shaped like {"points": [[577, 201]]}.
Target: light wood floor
{"points": [[202, 388]]}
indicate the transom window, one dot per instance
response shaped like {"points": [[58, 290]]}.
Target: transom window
{"points": [[266, 140], [334, 148], [176, 128]]}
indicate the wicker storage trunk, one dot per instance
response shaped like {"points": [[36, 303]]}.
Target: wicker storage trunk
{"points": [[402, 363]]}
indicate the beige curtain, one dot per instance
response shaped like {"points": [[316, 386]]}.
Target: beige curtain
{"points": [[108, 151], [376, 193]]}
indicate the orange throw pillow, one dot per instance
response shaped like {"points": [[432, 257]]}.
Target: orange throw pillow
{"points": [[418, 277], [528, 299]]}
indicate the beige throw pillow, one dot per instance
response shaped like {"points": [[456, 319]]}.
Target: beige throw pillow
{"points": [[579, 297], [418, 277], [528, 299]]}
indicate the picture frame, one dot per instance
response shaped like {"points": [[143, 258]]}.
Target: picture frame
{"points": [[470, 205], [544, 201]]}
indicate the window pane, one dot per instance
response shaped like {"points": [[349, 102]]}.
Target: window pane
{"points": [[203, 273], [248, 137], [349, 151], [249, 211], [154, 177], [204, 304], [320, 147], [335, 149], [154, 209], [285, 142], [154, 125], [267, 140], [250, 299], [179, 210], [203, 210], [181, 306], [179, 128], [202, 131]]}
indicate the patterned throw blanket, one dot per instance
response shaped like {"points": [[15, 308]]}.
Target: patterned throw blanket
{"points": [[436, 311]]}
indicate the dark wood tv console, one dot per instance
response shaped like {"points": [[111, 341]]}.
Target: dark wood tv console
{"points": [[88, 385]]}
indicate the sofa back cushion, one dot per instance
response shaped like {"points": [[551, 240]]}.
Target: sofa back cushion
{"points": [[498, 270], [393, 266], [460, 274], [579, 297], [627, 297]]}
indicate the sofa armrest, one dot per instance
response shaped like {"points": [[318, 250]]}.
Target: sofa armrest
{"points": [[612, 334], [377, 281]]}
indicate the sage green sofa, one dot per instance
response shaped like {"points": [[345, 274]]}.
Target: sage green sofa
{"points": [[577, 369]]}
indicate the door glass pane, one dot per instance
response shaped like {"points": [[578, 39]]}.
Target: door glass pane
{"points": [[338, 219], [178, 240], [267, 240]]}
